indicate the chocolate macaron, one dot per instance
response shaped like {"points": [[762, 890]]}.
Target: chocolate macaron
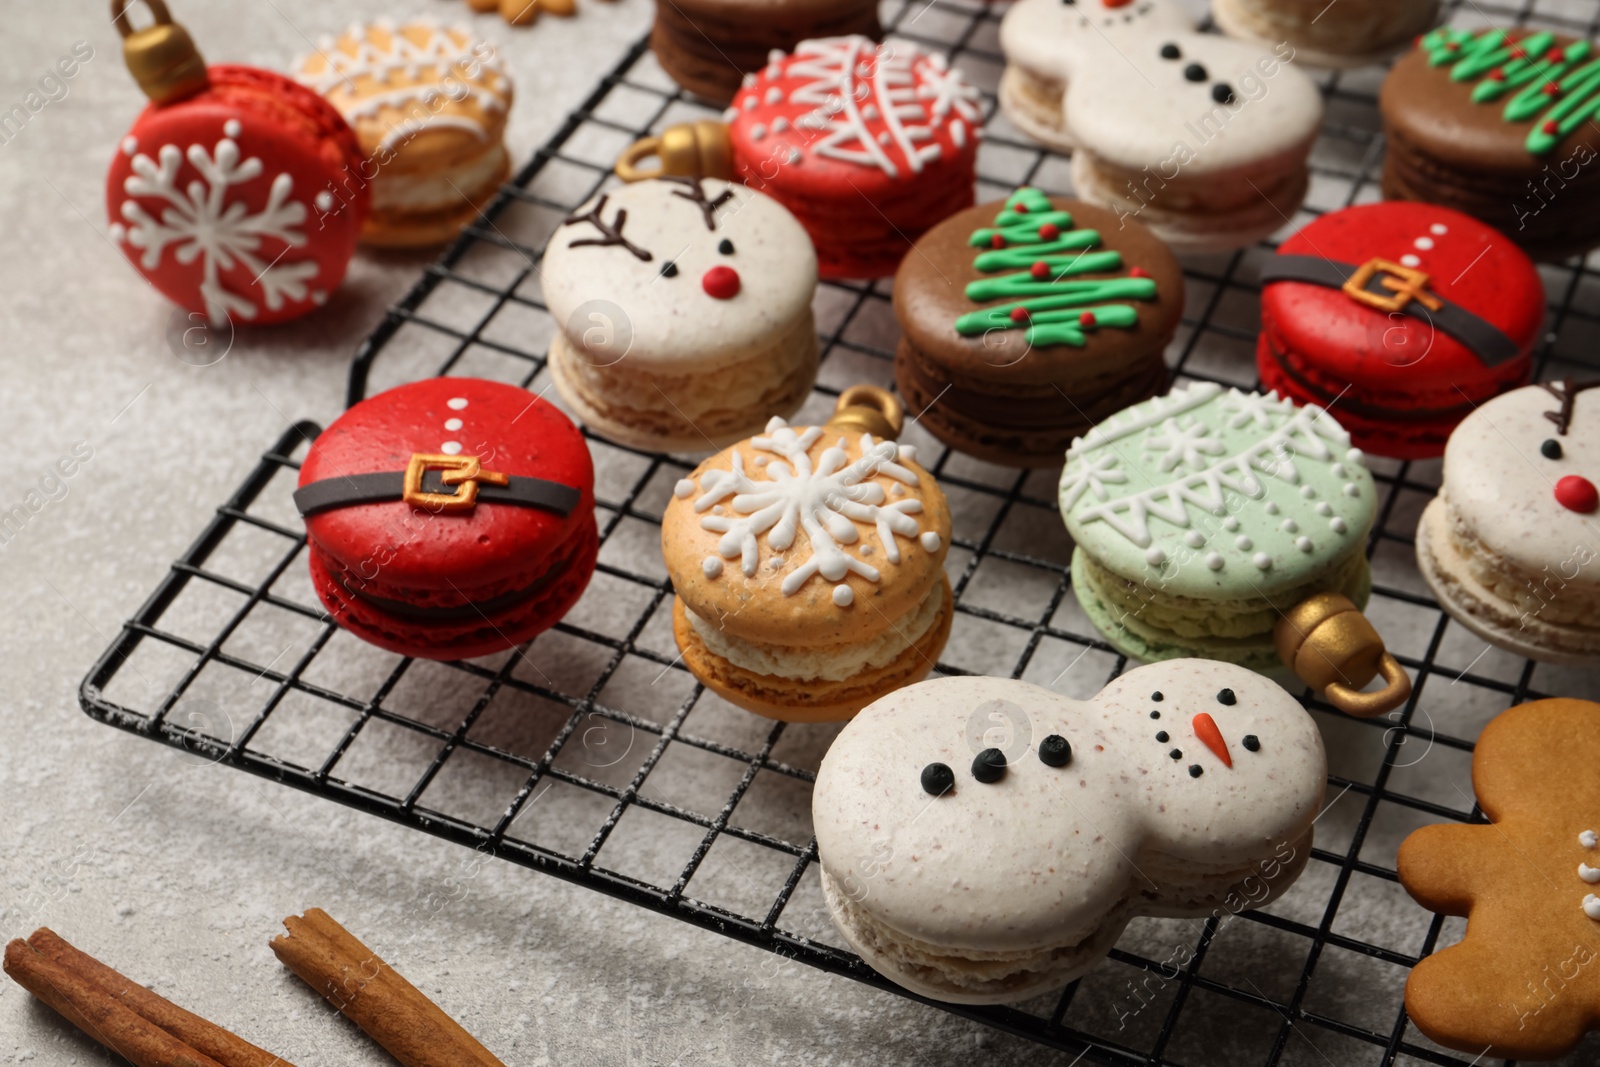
{"points": [[1500, 124], [1025, 322]]}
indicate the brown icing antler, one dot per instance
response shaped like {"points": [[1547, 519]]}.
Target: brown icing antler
{"points": [[1566, 391], [609, 234], [697, 196]]}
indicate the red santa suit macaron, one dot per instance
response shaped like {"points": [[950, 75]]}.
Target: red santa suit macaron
{"points": [[868, 145], [449, 518], [1400, 318], [241, 202]]}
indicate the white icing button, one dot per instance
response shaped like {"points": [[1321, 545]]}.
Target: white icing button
{"points": [[719, 510], [1339, 471], [1423, 243], [324, 201], [1591, 906], [1588, 839], [1263, 561], [1155, 557], [712, 567], [757, 132], [457, 403], [930, 541], [1355, 455], [1243, 543], [1194, 539], [1351, 489], [1214, 560], [1410, 260], [130, 145], [793, 156], [1324, 508], [319, 296], [751, 103], [1290, 526], [1338, 525], [780, 124], [1438, 229], [774, 95], [1272, 508], [1589, 874], [231, 128], [450, 448], [1230, 524], [684, 489], [1307, 492], [1303, 544], [453, 424], [843, 595]]}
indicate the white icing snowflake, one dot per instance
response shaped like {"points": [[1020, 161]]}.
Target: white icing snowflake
{"points": [[1253, 409], [201, 223], [1091, 475], [823, 502], [1187, 443]]}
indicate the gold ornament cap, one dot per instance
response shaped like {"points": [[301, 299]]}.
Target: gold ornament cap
{"points": [[1331, 646], [162, 57], [692, 150], [869, 409]]}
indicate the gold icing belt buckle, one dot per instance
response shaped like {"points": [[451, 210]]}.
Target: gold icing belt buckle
{"points": [[465, 472], [1406, 283]]}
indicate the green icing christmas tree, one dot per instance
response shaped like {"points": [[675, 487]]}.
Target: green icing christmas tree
{"points": [[1557, 87], [1047, 297]]}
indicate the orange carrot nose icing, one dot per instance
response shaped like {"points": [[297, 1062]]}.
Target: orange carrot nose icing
{"points": [[1205, 728]]}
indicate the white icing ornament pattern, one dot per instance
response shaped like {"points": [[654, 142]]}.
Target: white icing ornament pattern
{"points": [[821, 502], [199, 221]]}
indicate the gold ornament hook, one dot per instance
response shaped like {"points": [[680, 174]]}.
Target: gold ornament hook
{"points": [[869, 409], [691, 150], [162, 57], [1331, 646]]}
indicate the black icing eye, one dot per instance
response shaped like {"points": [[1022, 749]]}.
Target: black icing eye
{"points": [[1155, 715], [1195, 770], [1551, 449], [669, 269], [1226, 697], [1176, 753], [1194, 72], [726, 247], [1055, 751], [1069, 3], [1222, 93], [1251, 742], [1163, 737], [938, 779], [1171, 51], [989, 766], [1157, 697]]}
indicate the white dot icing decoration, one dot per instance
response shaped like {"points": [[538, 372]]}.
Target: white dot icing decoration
{"points": [[1263, 561], [843, 595], [1410, 260], [1243, 543], [1588, 839], [451, 448], [930, 541], [1194, 539], [1589, 874], [456, 403], [1438, 229], [453, 424], [1591, 906], [1304, 544], [711, 567], [1423, 243], [684, 489], [1155, 557], [231, 128], [1214, 560]]}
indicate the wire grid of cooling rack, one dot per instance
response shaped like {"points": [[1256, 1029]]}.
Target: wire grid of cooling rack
{"points": [[593, 755]]}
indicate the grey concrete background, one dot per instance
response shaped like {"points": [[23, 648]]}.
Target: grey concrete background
{"points": [[178, 873]]}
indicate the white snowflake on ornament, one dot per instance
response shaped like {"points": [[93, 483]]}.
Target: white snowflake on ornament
{"points": [[824, 502], [1254, 409], [1092, 476], [199, 221], [1187, 442]]}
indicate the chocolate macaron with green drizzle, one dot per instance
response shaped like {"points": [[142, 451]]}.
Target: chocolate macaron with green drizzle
{"points": [[1204, 517], [1025, 322], [1501, 125]]}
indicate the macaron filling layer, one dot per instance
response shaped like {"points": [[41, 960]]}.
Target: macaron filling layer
{"points": [[1565, 600], [834, 664], [442, 189]]}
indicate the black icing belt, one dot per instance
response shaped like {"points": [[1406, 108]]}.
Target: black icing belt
{"points": [[1483, 338], [385, 486]]}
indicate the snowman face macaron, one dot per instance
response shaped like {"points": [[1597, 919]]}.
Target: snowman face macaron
{"points": [[984, 840]]}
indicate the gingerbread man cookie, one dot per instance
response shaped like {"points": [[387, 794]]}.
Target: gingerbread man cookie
{"points": [[1525, 981]]}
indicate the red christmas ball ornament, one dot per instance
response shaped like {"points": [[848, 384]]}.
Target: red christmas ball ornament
{"points": [[1576, 493], [721, 283], [237, 193]]}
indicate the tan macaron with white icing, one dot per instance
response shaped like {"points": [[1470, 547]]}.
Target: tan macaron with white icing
{"points": [[685, 313], [986, 840], [1045, 40], [809, 565], [1201, 138], [429, 105]]}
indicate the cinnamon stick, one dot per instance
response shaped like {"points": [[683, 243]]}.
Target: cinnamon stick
{"points": [[374, 996]]}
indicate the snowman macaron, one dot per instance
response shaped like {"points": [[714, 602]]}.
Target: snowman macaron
{"points": [[1046, 40], [684, 308], [985, 840], [1511, 545]]}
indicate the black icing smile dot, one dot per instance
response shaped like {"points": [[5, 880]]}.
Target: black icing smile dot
{"points": [[1227, 698], [1251, 742], [1551, 449], [938, 779], [1194, 72], [1155, 715], [1176, 753], [1195, 770], [989, 766], [669, 269], [1171, 51], [1055, 751], [1157, 697], [1222, 93], [1163, 737], [726, 247]]}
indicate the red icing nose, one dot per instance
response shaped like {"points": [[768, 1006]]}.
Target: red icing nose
{"points": [[721, 283], [1205, 728], [1577, 494], [1116, 3]]}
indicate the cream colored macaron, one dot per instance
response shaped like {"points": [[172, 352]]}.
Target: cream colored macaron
{"points": [[1350, 33], [809, 566], [685, 313]]}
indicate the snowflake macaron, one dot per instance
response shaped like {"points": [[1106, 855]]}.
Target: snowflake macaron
{"points": [[808, 563]]}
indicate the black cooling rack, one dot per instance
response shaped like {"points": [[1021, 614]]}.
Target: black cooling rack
{"points": [[594, 756]]}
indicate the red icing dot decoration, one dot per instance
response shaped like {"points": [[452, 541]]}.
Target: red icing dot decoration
{"points": [[721, 283], [1049, 231], [1086, 320], [1020, 315], [1040, 270], [1138, 272], [997, 241], [1452, 46], [1518, 53], [1116, 3], [1578, 494], [1556, 55], [1497, 75], [1551, 89], [1020, 209], [1551, 127]]}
